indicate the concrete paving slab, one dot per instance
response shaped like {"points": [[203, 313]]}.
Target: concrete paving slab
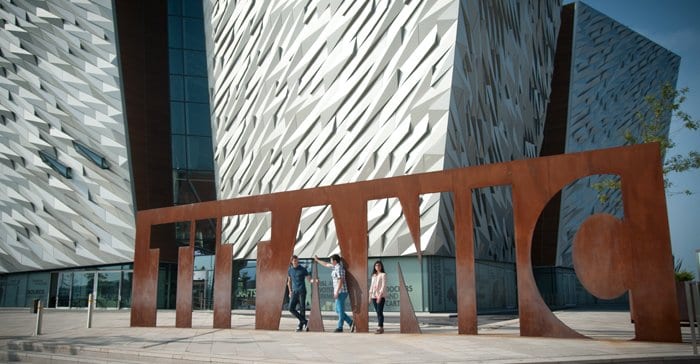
{"points": [[111, 339]]}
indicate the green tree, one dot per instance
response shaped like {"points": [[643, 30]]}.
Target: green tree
{"points": [[653, 129], [682, 275]]}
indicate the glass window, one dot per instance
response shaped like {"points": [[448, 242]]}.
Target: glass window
{"points": [[14, 291], [175, 61], [177, 118], [206, 189], [193, 34], [199, 290], [126, 290], [204, 262], [195, 63], [38, 287], [200, 155], [109, 267], [244, 284], [198, 122], [174, 32], [65, 282], [174, 7], [167, 283], [3, 285], [83, 284], [57, 166], [196, 89], [179, 152], [183, 192], [177, 88], [108, 290], [91, 155], [205, 239], [193, 8]]}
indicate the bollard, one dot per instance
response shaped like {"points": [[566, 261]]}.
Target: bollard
{"points": [[39, 313], [693, 300], [89, 318]]}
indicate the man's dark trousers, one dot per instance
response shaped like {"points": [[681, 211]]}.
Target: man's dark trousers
{"points": [[298, 297]]}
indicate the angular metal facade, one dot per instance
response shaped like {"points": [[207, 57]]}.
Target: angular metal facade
{"points": [[613, 68], [61, 105], [503, 67], [313, 94]]}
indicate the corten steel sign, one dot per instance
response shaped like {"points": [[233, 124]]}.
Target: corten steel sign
{"points": [[611, 256]]}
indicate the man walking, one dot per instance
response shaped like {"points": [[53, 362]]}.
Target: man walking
{"points": [[297, 292]]}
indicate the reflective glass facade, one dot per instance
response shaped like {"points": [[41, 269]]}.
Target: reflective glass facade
{"points": [[190, 121], [110, 286]]}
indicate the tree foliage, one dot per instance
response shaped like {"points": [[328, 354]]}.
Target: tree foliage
{"points": [[653, 129], [681, 274]]}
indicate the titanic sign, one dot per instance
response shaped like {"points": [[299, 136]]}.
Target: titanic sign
{"points": [[638, 245]]}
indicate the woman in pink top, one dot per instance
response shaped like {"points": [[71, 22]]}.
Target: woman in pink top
{"points": [[377, 293]]}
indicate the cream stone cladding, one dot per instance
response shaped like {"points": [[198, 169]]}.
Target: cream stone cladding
{"points": [[61, 102], [308, 94]]}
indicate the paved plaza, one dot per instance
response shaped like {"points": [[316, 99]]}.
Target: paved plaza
{"points": [[66, 339]]}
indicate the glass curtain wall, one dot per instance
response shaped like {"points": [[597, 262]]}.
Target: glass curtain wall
{"points": [[111, 286], [190, 122]]}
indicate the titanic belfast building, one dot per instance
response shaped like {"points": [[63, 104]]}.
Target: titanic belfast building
{"points": [[108, 108]]}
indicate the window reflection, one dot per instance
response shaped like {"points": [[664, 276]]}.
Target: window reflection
{"points": [[108, 290], [193, 36], [177, 89], [195, 63], [174, 32], [66, 281], [196, 89], [244, 284], [83, 284], [177, 117], [126, 289], [199, 154], [198, 121]]}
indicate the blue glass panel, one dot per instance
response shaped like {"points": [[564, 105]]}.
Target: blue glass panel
{"points": [[65, 282], [193, 8], [193, 33], [196, 89], [175, 61], [195, 63], [108, 289], [177, 91], [92, 155], [200, 155], [179, 152], [57, 166], [83, 284], [198, 121], [174, 32], [14, 290], [177, 118], [174, 7], [126, 290]]}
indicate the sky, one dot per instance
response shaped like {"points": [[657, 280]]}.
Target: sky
{"points": [[674, 25]]}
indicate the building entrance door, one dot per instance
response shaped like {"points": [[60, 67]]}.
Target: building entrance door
{"points": [[65, 281], [199, 297]]}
